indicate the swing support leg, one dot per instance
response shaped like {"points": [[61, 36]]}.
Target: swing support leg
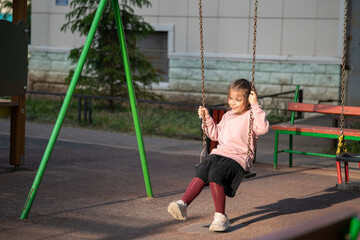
{"points": [[133, 104], [59, 121], [338, 169]]}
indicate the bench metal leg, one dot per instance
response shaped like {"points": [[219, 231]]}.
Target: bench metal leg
{"points": [[290, 148], [276, 148], [346, 170]]}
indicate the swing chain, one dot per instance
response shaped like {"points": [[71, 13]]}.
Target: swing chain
{"points": [[341, 148], [252, 78], [254, 45], [343, 70], [202, 73]]}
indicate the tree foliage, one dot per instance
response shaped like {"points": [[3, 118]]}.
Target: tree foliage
{"points": [[6, 8], [103, 73]]}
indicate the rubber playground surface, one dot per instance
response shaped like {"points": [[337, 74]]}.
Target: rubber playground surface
{"points": [[93, 188]]}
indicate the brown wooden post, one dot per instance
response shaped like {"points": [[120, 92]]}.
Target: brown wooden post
{"points": [[19, 10], [17, 129]]}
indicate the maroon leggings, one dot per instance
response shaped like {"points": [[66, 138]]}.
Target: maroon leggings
{"points": [[217, 191]]}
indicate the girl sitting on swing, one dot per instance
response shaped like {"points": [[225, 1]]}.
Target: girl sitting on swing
{"points": [[226, 165]]}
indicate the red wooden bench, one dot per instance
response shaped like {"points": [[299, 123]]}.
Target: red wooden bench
{"points": [[315, 131]]}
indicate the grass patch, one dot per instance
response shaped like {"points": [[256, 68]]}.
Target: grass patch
{"points": [[176, 122]]}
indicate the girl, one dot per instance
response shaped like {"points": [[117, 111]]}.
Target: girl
{"points": [[224, 168]]}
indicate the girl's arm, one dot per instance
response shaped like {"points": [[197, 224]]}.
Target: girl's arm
{"points": [[261, 124], [212, 128]]}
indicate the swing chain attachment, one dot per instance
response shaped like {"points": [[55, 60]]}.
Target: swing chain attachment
{"points": [[341, 148], [252, 77], [204, 153]]}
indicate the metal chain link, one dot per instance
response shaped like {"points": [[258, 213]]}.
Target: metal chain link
{"points": [[343, 70], [252, 78], [202, 72]]}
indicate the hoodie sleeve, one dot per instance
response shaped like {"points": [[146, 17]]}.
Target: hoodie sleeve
{"points": [[260, 123], [213, 129]]}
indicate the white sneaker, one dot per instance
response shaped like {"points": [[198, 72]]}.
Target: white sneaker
{"points": [[178, 210], [220, 223]]}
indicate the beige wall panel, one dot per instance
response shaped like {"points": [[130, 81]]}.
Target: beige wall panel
{"points": [[328, 8], [234, 8], [180, 34], [300, 8], [153, 10], [210, 35], [40, 33], [173, 8], [39, 6], [53, 8], [268, 8], [57, 37], [327, 38], [268, 36], [151, 20], [232, 36], [209, 8], [299, 37], [47, 6], [77, 41]]}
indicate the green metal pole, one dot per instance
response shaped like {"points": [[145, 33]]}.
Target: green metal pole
{"points": [[132, 97], [354, 228], [59, 121], [290, 148], [292, 122], [295, 100], [276, 148]]}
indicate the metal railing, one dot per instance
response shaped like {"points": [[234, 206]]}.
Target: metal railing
{"points": [[271, 102]]}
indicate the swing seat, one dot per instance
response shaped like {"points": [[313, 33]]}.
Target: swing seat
{"points": [[249, 174], [348, 158]]}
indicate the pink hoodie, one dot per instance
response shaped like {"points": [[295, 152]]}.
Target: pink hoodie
{"points": [[232, 134]]}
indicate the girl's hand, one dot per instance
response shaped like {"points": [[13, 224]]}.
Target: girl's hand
{"points": [[253, 98], [202, 111]]}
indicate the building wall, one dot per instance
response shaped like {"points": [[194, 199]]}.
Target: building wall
{"points": [[298, 42], [285, 27], [50, 47]]}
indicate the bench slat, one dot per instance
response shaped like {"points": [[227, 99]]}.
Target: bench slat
{"points": [[8, 103], [316, 129], [322, 108]]}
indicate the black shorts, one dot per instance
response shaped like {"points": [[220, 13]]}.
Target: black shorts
{"points": [[223, 171]]}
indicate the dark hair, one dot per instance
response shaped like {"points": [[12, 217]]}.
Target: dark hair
{"points": [[241, 85]]}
